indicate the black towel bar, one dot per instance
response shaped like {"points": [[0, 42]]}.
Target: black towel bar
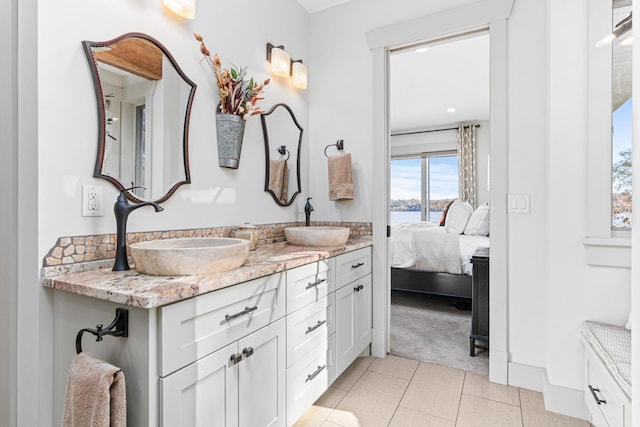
{"points": [[118, 328], [339, 145]]}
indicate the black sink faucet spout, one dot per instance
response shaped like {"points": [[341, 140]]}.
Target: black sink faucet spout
{"points": [[122, 209], [307, 212]]}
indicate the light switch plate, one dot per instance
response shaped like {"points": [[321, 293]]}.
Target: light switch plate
{"points": [[518, 203]]}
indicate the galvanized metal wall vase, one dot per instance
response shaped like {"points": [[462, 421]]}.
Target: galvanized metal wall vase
{"points": [[238, 98], [229, 132]]}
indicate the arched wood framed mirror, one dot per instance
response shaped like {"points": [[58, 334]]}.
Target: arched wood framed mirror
{"points": [[144, 103]]}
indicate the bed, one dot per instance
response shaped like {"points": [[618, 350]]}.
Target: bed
{"points": [[429, 258]]}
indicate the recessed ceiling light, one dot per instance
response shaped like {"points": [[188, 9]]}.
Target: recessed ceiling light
{"points": [[422, 49], [451, 110]]}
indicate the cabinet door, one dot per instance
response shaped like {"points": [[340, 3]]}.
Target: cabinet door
{"points": [[202, 394], [262, 377], [346, 341], [363, 314]]}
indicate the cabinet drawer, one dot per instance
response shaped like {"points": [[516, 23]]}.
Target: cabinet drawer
{"points": [[195, 327], [352, 266], [612, 399], [309, 378], [310, 326], [308, 283]]}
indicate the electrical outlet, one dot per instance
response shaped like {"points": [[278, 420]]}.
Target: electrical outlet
{"points": [[91, 200]]}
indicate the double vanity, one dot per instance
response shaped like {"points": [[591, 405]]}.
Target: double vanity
{"points": [[252, 346]]}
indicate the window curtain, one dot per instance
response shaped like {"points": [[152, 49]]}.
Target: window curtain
{"points": [[467, 163]]}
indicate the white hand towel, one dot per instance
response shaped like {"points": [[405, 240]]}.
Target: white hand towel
{"points": [[340, 177], [96, 395]]}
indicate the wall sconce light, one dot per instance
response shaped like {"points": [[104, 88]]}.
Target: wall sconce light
{"points": [[283, 66], [299, 74], [184, 8], [280, 60]]}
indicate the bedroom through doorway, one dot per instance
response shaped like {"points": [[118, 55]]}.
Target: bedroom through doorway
{"points": [[439, 194]]}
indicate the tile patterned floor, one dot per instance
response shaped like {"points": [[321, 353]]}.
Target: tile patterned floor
{"points": [[398, 392]]}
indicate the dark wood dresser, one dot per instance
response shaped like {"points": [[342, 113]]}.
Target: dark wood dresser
{"points": [[480, 301]]}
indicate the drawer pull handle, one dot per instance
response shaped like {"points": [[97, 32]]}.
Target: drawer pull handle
{"points": [[360, 264], [315, 373], [595, 396], [236, 358], [316, 283], [248, 352], [316, 326], [246, 310], [358, 288]]}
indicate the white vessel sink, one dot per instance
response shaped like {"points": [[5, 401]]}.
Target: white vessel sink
{"points": [[317, 236], [181, 257]]}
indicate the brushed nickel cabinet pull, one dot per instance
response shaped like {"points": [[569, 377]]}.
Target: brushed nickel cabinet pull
{"points": [[246, 310], [316, 283], [316, 326], [315, 373], [236, 358], [360, 264]]}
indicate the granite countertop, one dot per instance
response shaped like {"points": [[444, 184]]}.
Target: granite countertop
{"points": [[95, 279]]}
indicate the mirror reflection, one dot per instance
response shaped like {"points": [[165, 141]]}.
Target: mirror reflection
{"points": [[144, 102], [282, 142]]}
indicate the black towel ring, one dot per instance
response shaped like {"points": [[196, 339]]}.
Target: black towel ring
{"points": [[283, 150], [339, 145], [118, 328]]}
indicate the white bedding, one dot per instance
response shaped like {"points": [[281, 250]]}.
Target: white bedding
{"points": [[427, 246]]}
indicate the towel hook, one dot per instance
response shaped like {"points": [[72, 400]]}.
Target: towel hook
{"points": [[118, 328], [339, 145], [282, 150]]}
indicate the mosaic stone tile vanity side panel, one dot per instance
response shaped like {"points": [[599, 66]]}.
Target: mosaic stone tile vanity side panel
{"points": [[76, 249]]}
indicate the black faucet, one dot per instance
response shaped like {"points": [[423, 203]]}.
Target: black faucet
{"points": [[307, 212], [122, 209]]}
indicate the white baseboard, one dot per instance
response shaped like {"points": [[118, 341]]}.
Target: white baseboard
{"points": [[562, 400], [378, 343], [498, 366]]}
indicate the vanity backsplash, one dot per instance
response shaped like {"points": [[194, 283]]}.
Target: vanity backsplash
{"points": [[75, 249]]}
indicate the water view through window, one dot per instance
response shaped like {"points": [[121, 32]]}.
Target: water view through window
{"points": [[433, 179]]}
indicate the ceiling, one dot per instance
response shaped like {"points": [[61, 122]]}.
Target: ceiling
{"points": [[424, 85], [315, 5]]}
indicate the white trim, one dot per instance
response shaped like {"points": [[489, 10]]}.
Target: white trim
{"points": [[563, 400], [608, 252], [558, 399], [482, 14]]}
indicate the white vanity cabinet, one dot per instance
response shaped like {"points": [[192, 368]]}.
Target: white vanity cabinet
{"points": [[254, 354], [229, 351], [353, 306]]}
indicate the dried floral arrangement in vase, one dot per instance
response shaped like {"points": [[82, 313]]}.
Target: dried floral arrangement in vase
{"points": [[238, 101]]}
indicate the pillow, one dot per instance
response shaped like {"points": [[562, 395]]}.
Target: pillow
{"points": [[444, 214], [457, 217], [478, 224], [628, 325]]}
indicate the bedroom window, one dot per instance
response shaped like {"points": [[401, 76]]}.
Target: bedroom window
{"points": [[422, 186]]}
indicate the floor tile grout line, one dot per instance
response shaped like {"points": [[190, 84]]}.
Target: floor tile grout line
{"points": [[460, 399], [403, 393]]}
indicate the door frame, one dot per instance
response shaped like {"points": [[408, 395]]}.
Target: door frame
{"points": [[491, 15]]}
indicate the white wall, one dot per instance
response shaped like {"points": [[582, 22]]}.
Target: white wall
{"points": [[238, 31], [551, 288]]}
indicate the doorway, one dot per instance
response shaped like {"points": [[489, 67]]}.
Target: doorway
{"points": [[434, 88], [491, 14]]}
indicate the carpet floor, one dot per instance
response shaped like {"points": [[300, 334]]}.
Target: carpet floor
{"points": [[430, 328]]}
